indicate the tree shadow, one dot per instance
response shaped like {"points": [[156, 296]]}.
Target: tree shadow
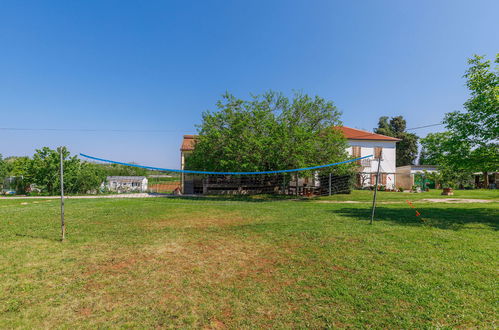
{"points": [[240, 198], [444, 218]]}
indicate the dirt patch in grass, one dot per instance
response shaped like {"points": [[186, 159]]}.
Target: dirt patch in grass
{"points": [[207, 261], [85, 311], [183, 277], [456, 200], [339, 202], [197, 219]]}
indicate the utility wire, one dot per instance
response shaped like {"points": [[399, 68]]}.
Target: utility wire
{"points": [[410, 129], [90, 130], [130, 130]]}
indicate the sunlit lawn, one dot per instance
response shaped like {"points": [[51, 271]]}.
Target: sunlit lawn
{"points": [[366, 195], [162, 262]]}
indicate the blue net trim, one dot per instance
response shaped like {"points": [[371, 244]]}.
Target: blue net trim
{"points": [[223, 173]]}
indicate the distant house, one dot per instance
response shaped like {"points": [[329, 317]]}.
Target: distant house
{"points": [[126, 183], [414, 175], [361, 143]]}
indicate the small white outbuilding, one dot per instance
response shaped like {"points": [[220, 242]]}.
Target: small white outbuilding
{"points": [[126, 183]]}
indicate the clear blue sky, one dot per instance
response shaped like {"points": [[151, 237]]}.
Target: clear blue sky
{"points": [[160, 64]]}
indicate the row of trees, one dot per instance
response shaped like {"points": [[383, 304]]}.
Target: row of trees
{"points": [[42, 171], [271, 132]]}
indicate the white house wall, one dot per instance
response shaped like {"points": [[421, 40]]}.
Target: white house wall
{"points": [[388, 162]]}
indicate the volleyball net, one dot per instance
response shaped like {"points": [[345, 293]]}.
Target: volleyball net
{"points": [[132, 178]]}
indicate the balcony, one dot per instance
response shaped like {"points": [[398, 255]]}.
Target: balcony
{"points": [[366, 162]]}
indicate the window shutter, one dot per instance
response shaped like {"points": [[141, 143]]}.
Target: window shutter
{"points": [[383, 178], [356, 151], [378, 153], [373, 178]]}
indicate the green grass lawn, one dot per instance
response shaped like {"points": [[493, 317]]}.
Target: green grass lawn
{"points": [[215, 263], [366, 195]]}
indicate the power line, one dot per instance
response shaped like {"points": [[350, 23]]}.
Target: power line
{"points": [[410, 129], [130, 130], [90, 130]]}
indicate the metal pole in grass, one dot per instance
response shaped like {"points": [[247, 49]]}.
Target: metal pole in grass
{"points": [[375, 189], [329, 184], [63, 226], [296, 179]]}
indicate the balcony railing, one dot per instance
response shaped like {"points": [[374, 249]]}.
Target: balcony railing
{"points": [[366, 162]]}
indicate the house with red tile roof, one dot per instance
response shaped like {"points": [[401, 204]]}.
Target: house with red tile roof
{"points": [[363, 143], [360, 143]]}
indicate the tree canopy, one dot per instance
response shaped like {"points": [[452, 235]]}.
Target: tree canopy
{"points": [[407, 148], [473, 133], [470, 143], [433, 148], [79, 177], [3, 168], [42, 170], [479, 123], [268, 132]]}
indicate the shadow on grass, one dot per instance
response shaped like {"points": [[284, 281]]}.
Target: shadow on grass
{"points": [[453, 218], [240, 198]]}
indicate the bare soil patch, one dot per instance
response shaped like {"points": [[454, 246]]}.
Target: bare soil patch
{"points": [[197, 219], [456, 200]]}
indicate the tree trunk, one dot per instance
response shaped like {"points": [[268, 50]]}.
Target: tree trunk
{"points": [[486, 180]]}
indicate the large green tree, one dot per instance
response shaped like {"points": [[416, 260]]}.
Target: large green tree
{"points": [[18, 166], [79, 177], [433, 149], [269, 132], [474, 132], [438, 149], [407, 148], [3, 169], [43, 170]]}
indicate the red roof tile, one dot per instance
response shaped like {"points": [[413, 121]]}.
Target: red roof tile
{"points": [[357, 134], [188, 143]]}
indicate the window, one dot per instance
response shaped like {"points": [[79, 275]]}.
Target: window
{"points": [[378, 153]]}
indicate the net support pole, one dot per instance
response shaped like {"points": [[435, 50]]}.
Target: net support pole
{"points": [[63, 226], [375, 191], [296, 180], [329, 184], [284, 184]]}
